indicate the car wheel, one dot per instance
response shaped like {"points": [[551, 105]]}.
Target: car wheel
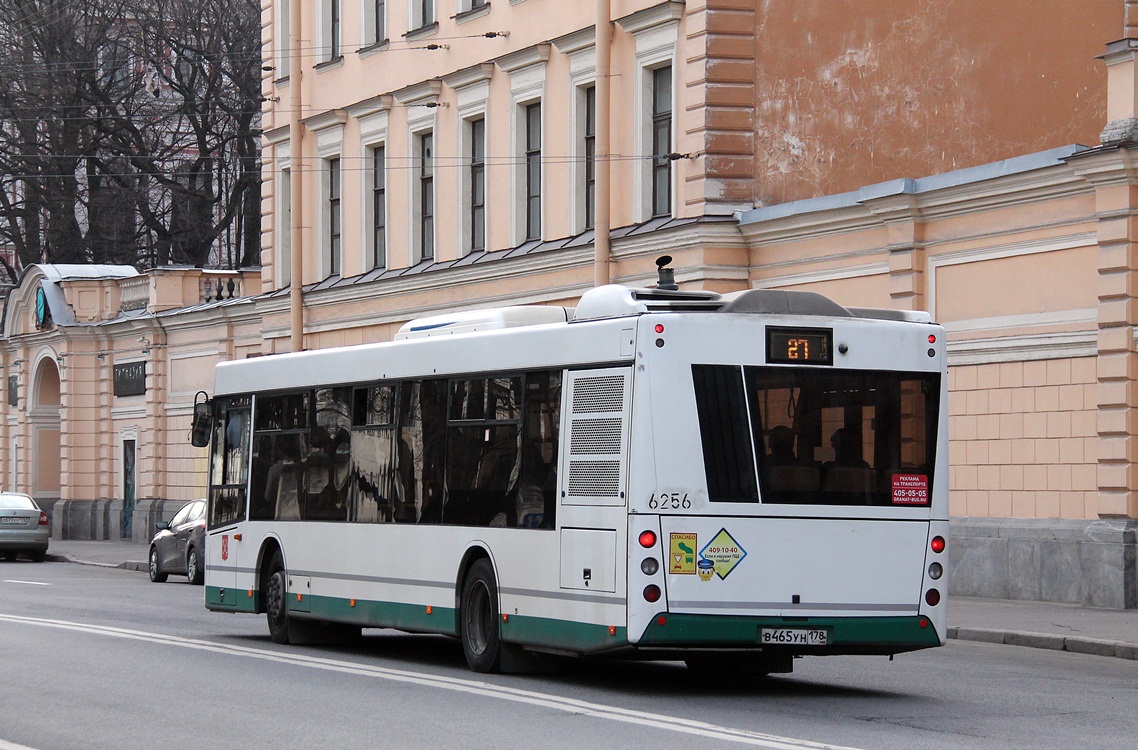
{"points": [[479, 621], [276, 600], [194, 570], [11, 556], [156, 574], [39, 555]]}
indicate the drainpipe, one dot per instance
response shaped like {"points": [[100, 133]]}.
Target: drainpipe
{"points": [[296, 175], [602, 221]]}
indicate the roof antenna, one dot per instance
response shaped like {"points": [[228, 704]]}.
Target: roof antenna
{"points": [[667, 276]]}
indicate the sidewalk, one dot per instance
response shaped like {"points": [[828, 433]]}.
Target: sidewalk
{"points": [[1060, 627]]}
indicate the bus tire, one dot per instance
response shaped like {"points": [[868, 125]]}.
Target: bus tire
{"points": [[276, 600], [478, 622]]}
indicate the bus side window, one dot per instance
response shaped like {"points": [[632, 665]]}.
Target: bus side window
{"points": [[419, 459], [329, 463]]}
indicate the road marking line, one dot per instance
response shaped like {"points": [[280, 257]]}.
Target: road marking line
{"points": [[27, 583], [13, 746], [473, 687]]}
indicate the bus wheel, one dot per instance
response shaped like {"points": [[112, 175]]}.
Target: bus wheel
{"points": [[479, 620], [276, 603]]}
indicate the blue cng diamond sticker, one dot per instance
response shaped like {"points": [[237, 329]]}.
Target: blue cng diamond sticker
{"points": [[724, 553]]}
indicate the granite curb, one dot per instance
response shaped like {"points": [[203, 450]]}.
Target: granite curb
{"points": [[138, 565], [1072, 644]]}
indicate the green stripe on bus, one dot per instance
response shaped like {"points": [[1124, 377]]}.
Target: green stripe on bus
{"points": [[719, 630], [563, 635], [229, 599]]}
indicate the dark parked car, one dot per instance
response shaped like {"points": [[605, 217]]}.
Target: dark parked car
{"points": [[23, 527], [179, 546]]}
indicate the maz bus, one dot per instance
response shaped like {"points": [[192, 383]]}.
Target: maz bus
{"points": [[732, 481]]}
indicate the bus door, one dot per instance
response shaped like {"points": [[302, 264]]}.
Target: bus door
{"points": [[221, 568], [593, 477], [229, 476]]}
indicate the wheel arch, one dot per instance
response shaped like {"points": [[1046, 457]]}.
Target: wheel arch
{"points": [[472, 555], [269, 547]]}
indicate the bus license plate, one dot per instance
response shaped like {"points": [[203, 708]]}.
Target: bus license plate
{"points": [[794, 636]]}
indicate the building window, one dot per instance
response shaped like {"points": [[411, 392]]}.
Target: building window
{"points": [[478, 184], [426, 197], [284, 224], [379, 207], [334, 221], [590, 157], [533, 171], [379, 23], [422, 13], [332, 17], [661, 141], [283, 40]]}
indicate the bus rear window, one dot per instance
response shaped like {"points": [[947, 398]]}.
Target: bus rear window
{"points": [[843, 437]]}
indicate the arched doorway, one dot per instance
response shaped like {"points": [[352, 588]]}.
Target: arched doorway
{"points": [[44, 427]]}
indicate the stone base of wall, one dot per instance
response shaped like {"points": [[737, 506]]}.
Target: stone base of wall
{"points": [[104, 519], [1093, 563]]}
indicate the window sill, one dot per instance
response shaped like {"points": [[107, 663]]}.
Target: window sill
{"points": [[371, 49], [470, 15], [422, 31], [329, 64]]}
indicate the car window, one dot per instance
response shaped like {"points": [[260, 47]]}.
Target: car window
{"points": [[16, 501], [182, 515], [197, 511]]}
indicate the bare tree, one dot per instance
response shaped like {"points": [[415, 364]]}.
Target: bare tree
{"points": [[129, 131]]}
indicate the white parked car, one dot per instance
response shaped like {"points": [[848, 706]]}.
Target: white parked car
{"points": [[24, 528]]}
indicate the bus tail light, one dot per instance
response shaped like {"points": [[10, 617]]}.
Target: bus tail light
{"points": [[651, 593], [649, 566], [932, 597], [937, 544], [936, 570], [647, 539]]}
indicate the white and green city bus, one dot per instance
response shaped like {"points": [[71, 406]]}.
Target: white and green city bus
{"points": [[730, 480]]}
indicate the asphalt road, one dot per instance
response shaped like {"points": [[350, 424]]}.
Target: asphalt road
{"points": [[102, 658]]}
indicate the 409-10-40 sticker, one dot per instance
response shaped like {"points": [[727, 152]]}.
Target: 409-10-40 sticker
{"points": [[718, 557]]}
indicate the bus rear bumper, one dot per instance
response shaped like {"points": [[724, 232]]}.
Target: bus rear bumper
{"points": [[797, 636]]}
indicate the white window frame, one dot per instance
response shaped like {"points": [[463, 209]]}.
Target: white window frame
{"points": [[527, 71], [415, 14], [420, 119], [472, 92], [277, 141], [655, 48], [329, 130], [282, 33], [582, 76], [330, 48], [373, 134], [367, 23]]}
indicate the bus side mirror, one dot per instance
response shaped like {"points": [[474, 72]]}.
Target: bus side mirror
{"points": [[203, 421]]}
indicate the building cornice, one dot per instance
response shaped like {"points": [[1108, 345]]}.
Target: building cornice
{"points": [[370, 106], [324, 120], [576, 41], [469, 76], [523, 58], [650, 18], [420, 93]]}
